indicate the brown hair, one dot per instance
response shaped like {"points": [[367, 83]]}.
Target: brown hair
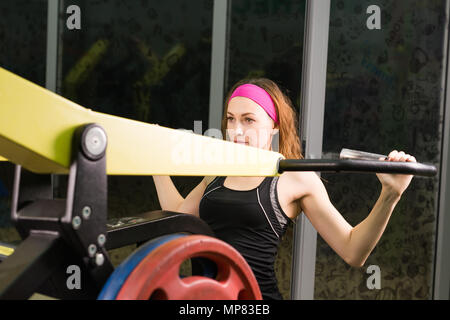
{"points": [[290, 146]]}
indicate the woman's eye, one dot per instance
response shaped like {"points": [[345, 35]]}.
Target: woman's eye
{"points": [[229, 118], [249, 120]]}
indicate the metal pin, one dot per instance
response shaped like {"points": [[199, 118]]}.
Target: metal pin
{"points": [[76, 222], [99, 259], [101, 240], [92, 249], [95, 141], [86, 212]]}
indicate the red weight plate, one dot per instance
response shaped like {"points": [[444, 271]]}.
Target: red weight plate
{"points": [[157, 275]]}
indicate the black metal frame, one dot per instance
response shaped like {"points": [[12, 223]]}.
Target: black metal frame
{"points": [[58, 233]]}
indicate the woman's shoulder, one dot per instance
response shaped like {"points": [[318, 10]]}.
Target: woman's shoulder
{"points": [[297, 183], [299, 176]]}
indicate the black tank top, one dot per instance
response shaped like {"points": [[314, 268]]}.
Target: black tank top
{"points": [[251, 221]]}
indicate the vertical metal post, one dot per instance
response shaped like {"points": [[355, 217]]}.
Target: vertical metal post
{"points": [[218, 61], [52, 53], [313, 104], [52, 45], [441, 283]]}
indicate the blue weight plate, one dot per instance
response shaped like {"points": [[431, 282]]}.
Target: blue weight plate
{"points": [[121, 273]]}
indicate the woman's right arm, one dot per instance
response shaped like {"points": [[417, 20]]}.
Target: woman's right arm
{"points": [[171, 200]]}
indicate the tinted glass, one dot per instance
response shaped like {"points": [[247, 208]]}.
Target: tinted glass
{"points": [[384, 93]]}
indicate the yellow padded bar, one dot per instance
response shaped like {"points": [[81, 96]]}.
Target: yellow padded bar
{"points": [[6, 251], [36, 128]]}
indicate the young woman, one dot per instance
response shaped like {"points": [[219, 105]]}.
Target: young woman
{"points": [[252, 213]]}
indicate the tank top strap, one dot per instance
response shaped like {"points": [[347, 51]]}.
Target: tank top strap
{"points": [[221, 180], [216, 182], [265, 184]]}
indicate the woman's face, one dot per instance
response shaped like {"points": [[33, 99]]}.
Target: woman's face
{"points": [[249, 124]]}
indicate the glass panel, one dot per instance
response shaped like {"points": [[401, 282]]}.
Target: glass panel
{"points": [[265, 39], [23, 45], [142, 60], [23, 38], [384, 92]]}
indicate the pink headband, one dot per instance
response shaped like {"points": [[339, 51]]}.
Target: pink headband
{"points": [[259, 95]]}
